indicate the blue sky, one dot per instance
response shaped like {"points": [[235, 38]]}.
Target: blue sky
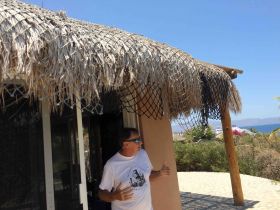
{"points": [[235, 33]]}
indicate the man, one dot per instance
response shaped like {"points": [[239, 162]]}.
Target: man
{"points": [[127, 175]]}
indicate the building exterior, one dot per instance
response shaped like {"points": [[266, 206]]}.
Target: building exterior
{"points": [[67, 89]]}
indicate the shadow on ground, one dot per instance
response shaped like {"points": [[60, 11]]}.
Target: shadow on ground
{"points": [[193, 201]]}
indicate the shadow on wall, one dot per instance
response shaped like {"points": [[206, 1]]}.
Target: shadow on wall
{"points": [[193, 201]]}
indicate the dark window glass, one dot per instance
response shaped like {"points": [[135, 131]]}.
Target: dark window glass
{"points": [[22, 179], [66, 170]]}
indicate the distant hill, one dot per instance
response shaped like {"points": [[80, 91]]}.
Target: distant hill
{"points": [[257, 121], [239, 123]]}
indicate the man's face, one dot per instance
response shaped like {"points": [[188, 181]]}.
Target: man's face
{"points": [[132, 146]]}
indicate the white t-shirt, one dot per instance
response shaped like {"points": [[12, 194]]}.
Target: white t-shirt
{"points": [[130, 171]]}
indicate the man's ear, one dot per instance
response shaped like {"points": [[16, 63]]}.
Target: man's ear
{"points": [[124, 144]]}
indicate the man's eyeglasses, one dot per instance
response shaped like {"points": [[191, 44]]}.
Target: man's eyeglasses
{"points": [[137, 140]]}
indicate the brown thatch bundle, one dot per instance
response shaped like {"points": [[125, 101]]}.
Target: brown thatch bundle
{"points": [[56, 57]]}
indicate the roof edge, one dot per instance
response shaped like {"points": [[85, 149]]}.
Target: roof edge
{"points": [[232, 72]]}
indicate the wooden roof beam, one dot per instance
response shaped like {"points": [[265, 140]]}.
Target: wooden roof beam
{"points": [[232, 72]]}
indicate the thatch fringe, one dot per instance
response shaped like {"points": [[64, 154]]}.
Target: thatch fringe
{"points": [[57, 56]]}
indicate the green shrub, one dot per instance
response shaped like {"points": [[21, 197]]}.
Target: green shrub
{"points": [[257, 155], [276, 145], [200, 133], [179, 155], [254, 130], [268, 163], [204, 156], [246, 159]]}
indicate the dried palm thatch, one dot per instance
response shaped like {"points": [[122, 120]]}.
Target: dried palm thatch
{"points": [[55, 57]]}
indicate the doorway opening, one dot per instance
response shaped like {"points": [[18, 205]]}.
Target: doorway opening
{"points": [[101, 142]]}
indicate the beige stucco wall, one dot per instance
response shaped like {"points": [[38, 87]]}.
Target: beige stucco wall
{"points": [[157, 136]]}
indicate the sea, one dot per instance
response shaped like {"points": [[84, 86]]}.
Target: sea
{"points": [[263, 128], [260, 128]]}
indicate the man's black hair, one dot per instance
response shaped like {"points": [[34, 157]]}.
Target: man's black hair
{"points": [[126, 133]]}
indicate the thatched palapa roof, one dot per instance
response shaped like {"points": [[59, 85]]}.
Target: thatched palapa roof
{"points": [[55, 57]]}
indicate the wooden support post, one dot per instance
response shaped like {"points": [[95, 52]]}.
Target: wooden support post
{"points": [[50, 202], [232, 160], [83, 185]]}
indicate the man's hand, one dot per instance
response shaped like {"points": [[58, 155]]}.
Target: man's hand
{"points": [[165, 170], [118, 194], [122, 194]]}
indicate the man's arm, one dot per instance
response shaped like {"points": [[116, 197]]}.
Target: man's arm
{"points": [[105, 195], [118, 194], [164, 171]]}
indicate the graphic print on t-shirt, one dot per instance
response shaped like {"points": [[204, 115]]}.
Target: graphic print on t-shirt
{"points": [[136, 178]]}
